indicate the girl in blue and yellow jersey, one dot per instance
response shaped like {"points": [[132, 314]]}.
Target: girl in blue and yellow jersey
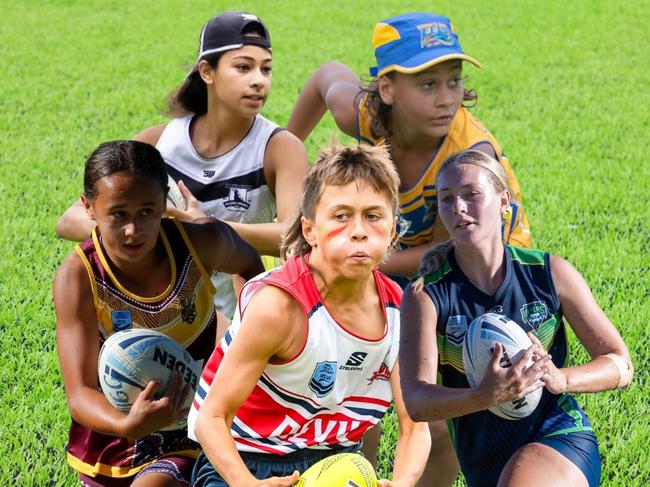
{"points": [[476, 273], [138, 270], [414, 105]]}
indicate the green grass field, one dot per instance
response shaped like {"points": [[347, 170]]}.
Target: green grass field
{"points": [[565, 89]]}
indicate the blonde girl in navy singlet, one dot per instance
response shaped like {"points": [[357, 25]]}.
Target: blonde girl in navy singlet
{"points": [[475, 273]]}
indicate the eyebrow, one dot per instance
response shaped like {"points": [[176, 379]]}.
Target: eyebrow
{"points": [[462, 187], [250, 58], [119, 207], [350, 207]]}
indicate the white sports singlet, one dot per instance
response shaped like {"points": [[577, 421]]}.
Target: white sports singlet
{"points": [[230, 187], [331, 393]]}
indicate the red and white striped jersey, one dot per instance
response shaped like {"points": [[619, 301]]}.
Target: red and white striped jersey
{"points": [[328, 395]]}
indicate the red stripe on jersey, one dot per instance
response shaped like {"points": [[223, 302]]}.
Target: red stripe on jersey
{"points": [[371, 400]]}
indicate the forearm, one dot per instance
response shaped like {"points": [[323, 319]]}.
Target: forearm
{"points": [[411, 455], [264, 237], [75, 224], [600, 374], [219, 446], [430, 402], [90, 408], [310, 108], [404, 263]]}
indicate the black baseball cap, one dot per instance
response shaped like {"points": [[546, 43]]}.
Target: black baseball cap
{"points": [[228, 30]]}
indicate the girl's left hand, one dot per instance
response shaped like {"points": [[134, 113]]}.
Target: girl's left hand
{"points": [[553, 378], [193, 211]]}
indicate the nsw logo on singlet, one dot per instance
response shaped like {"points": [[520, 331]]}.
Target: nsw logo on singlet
{"points": [[534, 314], [355, 361], [237, 197], [121, 319], [323, 379]]}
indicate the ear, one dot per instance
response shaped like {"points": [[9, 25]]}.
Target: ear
{"points": [[386, 90], [308, 231], [88, 206], [206, 72], [504, 201]]}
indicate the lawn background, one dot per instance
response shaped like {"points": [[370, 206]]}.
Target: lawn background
{"points": [[565, 89]]}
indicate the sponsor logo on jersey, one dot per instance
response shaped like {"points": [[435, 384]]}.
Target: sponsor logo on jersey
{"points": [[188, 309], [435, 34], [354, 361], [323, 379], [534, 314], [383, 373], [208, 174], [456, 329], [121, 319], [237, 197]]}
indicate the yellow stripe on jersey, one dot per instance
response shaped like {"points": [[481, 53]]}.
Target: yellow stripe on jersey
{"points": [[120, 472]]}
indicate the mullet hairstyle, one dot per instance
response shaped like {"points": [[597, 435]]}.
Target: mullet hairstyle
{"points": [[339, 166], [380, 112], [128, 156], [498, 178]]}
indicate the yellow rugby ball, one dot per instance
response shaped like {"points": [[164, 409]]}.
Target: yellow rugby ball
{"points": [[340, 470]]}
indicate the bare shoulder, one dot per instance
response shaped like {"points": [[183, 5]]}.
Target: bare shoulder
{"points": [[285, 166], [286, 146], [277, 305], [151, 135], [275, 314], [71, 282]]}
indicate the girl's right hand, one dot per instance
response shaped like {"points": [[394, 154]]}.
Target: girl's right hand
{"points": [[149, 414], [507, 384], [193, 212]]}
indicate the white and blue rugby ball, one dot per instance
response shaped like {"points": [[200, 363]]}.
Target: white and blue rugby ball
{"points": [[174, 195], [129, 359], [482, 334]]}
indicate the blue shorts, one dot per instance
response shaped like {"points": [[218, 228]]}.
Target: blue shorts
{"points": [[263, 466], [581, 448]]}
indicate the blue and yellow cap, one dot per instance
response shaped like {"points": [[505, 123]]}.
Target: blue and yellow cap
{"points": [[413, 42]]}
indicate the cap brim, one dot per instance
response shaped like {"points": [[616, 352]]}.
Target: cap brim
{"points": [[415, 65]]}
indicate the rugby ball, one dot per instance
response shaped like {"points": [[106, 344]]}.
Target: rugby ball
{"points": [[482, 334], [174, 195], [129, 359], [340, 470]]}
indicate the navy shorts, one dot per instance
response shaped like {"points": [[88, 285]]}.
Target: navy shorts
{"points": [[178, 468], [263, 466], [581, 448]]}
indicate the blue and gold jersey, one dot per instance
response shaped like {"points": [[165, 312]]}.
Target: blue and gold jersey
{"points": [[418, 203], [484, 442]]}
